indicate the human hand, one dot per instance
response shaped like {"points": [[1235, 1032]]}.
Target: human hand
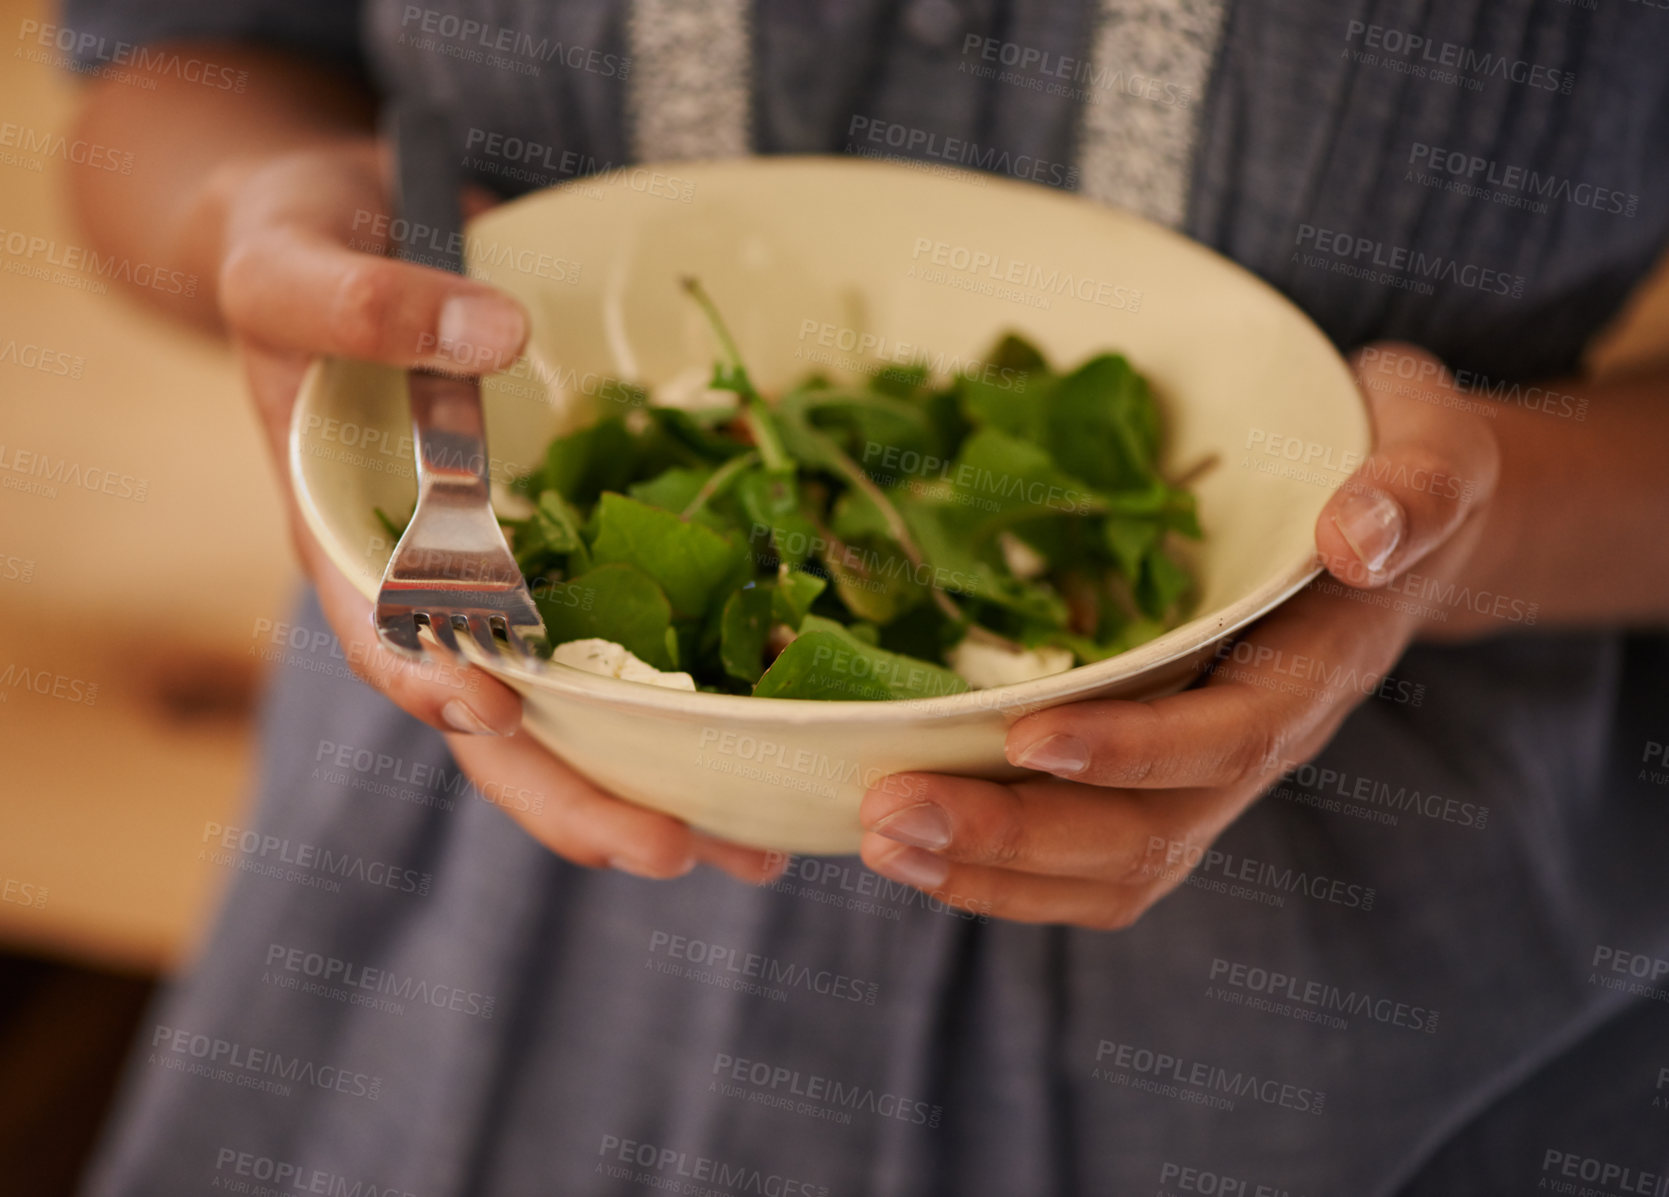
{"points": [[1128, 795], [302, 275]]}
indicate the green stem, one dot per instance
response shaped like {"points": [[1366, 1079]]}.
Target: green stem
{"points": [[754, 409], [721, 478], [896, 527]]}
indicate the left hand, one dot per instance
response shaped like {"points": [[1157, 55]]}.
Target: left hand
{"points": [[1126, 792]]}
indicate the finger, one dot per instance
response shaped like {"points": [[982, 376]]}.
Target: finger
{"points": [[1272, 697], [572, 817], [1045, 826], [741, 862], [291, 288], [1004, 893], [1430, 469]]}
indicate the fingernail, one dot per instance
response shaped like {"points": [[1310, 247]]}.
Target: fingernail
{"points": [[459, 717], [478, 329], [1371, 523], [924, 825], [914, 867], [1065, 755], [635, 868]]}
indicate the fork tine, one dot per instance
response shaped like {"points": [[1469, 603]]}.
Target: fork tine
{"points": [[398, 631], [481, 632], [440, 623]]}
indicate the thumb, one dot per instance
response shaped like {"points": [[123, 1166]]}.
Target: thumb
{"points": [[1432, 468]]}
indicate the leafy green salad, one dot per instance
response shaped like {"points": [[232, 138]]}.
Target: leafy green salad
{"points": [[894, 539]]}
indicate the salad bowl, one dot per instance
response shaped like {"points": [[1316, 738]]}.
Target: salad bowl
{"points": [[843, 267]]}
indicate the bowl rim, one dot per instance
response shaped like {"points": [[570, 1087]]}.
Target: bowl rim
{"points": [[1184, 640]]}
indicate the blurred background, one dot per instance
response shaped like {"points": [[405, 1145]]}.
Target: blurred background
{"points": [[129, 634]]}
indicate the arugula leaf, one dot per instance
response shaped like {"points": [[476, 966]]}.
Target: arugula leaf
{"points": [[793, 594], [690, 562], [771, 499], [1130, 539], [826, 661], [742, 632], [615, 602], [551, 532], [1162, 584]]}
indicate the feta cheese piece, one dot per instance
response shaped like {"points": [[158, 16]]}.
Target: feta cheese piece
{"points": [[1023, 561], [983, 665], [609, 659]]}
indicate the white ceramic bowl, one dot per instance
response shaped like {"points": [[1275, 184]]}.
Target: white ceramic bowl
{"points": [[807, 257]]}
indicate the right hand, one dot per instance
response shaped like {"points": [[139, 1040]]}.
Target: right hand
{"points": [[302, 274]]}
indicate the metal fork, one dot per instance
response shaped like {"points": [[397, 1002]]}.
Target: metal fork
{"points": [[452, 571]]}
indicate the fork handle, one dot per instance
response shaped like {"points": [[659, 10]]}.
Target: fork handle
{"points": [[449, 434]]}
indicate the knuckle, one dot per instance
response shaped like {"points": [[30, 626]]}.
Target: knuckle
{"points": [[363, 307], [1254, 754]]}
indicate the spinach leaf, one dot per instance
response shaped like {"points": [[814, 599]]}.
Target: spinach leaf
{"points": [[615, 602], [771, 500], [690, 562], [1102, 426], [743, 628], [826, 661]]}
